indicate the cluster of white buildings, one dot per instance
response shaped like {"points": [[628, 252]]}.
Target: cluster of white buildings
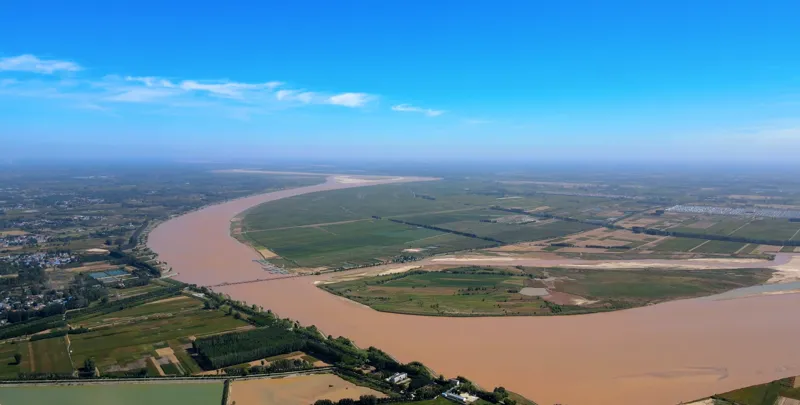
{"points": [[739, 212]]}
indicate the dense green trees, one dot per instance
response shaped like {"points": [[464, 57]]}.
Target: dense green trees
{"points": [[234, 348]]}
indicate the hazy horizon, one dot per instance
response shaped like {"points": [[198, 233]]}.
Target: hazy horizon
{"points": [[714, 82]]}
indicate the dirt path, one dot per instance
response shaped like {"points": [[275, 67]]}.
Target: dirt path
{"points": [[648, 244], [31, 358], [737, 229], [692, 249]]}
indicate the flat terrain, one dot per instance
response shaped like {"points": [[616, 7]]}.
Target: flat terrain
{"points": [[763, 394], [195, 393], [50, 356], [346, 228], [477, 291], [356, 243], [626, 360], [297, 390], [122, 340]]}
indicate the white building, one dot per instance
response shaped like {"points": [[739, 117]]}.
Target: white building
{"points": [[397, 378], [461, 398]]}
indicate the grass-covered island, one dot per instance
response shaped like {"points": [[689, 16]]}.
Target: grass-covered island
{"points": [[488, 291]]}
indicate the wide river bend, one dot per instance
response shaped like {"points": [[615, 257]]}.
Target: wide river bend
{"points": [[661, 354]]}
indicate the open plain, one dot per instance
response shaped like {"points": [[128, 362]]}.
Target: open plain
{"points": [[666, 353]]}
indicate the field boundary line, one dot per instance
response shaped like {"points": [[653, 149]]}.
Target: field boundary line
{"points": [[795, 234], [164, 380], [307, 226], [701, 244], [745, 224], [31, 359]]}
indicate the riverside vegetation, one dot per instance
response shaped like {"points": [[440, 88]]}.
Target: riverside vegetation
{"points": [[204, 331]]}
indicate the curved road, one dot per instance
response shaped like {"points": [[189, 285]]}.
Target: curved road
{"points": [[661, 354]]}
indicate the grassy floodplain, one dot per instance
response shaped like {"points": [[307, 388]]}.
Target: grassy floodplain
{"points": [[195, 393], [481, 291]]}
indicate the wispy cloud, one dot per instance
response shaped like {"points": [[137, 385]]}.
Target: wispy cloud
{"points": [[141, 95], [349, 99], [151, 81], [227, 89], [410, 108], [475, 121], [305, 97], [112, 91], [31, 63]]}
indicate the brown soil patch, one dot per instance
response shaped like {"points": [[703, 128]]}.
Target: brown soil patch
{"points": [[562, 298], [156, 365], [178, 298], [92, 268], [299, 390], [266, 253], [14, 232], [168, 353], [768, 249]]}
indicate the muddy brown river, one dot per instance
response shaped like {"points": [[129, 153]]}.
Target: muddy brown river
{"points": [[661, 354]]}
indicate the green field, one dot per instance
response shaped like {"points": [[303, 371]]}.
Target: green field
{"points": [[50, 356], [677, 245], [483, 291], [136, 331], [195, 393], [474, 291], [339, 229], [764, 394], [8, 366], [718, 246], [641, 287], [356, 243]]}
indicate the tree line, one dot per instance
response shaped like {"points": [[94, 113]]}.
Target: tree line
{"points": [[436, 228]]}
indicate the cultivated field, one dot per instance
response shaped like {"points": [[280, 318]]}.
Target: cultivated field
{"points": [[484, 291], [49, 356], [764, 394], [195, 393], [346, 228], [124, 340], [298, 390]]}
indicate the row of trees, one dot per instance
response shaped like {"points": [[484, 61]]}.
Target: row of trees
{"points": [[31, 327], [126, 302], [436, 228], [234, 348]]}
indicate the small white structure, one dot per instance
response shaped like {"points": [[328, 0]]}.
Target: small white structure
{"points": [[397, 378], [461, 397]]}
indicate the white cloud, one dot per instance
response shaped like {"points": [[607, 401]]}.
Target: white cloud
{"points": [[305, 97], [141, 95], [150, 81], [474, 121], [228, 89], [410, 108], [349, 99], [107, 91], [30, 63]]}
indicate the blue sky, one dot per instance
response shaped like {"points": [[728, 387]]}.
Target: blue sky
{"points": [[612, 80]]}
